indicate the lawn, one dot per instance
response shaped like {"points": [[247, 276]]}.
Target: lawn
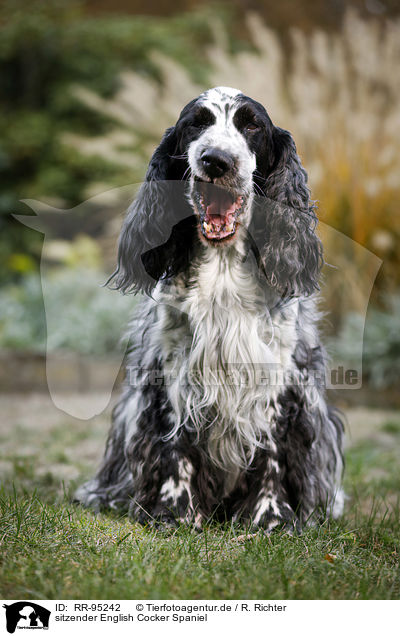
{"points": [[51, 549]]}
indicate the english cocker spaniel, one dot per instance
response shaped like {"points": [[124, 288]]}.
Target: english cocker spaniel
{"points": [[223, 413]]}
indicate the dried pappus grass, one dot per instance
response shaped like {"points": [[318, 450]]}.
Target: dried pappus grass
{"points": [[336, 93]]}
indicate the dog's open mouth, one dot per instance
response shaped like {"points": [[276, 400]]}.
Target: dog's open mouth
{"points": [[218, 209]]}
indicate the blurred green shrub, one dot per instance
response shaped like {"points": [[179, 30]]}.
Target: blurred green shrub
{"points": [[381, 347], [85, 317], [45, 47]]}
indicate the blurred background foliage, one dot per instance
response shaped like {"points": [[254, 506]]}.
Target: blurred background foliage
{"points": [[87, 88], [23, 327], [45, 47]]}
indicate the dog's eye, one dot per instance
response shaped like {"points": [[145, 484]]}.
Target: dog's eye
{"points": [[252, 127]]}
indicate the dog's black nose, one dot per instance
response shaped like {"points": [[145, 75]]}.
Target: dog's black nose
{"points": [[216, 162]]}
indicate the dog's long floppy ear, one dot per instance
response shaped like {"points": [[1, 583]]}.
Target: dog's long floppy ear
{"points": [[285, 221], [157, 232]]}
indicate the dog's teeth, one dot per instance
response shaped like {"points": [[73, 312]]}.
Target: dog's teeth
{"points": [[229, 228], [207, 226]]}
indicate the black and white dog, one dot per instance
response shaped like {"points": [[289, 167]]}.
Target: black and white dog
{"points": [[228, 418]]}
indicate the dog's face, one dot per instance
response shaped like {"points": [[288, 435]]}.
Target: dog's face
{"points": [[225, 137], [203, 181]]}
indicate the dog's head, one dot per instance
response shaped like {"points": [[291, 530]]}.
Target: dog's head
{"points": [[222, 171]]}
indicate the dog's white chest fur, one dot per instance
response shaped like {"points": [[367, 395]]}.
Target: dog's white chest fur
{"points": [[224, 357]]}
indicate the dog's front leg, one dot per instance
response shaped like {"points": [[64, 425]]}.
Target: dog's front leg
{"points": [[267, 503], [162, 484], [177, 500], [271, 511]]}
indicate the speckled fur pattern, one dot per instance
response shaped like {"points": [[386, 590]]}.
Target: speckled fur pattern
{"points": [[226, 417]]}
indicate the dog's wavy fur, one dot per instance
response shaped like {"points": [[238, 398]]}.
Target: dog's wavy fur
{"points": [[228, 419]]}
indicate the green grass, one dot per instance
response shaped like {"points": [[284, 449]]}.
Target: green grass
{"points": [[50, 548]]}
